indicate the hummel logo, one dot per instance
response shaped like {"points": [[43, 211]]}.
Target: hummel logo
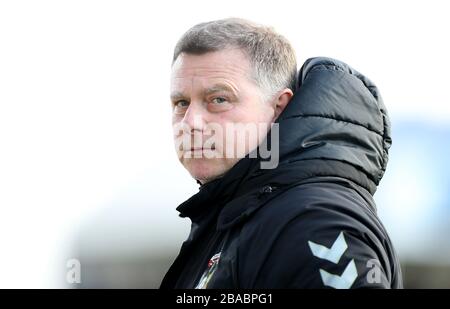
{"points": [[334, 255], [343, 281]]}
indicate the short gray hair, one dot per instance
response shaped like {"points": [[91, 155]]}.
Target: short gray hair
{"points": [[271, 55]]}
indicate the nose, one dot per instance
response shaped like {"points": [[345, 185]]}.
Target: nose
{"points": [[194, 118]]}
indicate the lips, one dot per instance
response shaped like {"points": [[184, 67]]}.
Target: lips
{"points": [[201, 148]]}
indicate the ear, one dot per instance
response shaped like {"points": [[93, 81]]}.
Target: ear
{"points": [[281, 101]]}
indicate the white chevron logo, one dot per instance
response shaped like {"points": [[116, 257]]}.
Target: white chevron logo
{"points": [[343, 281], [334, 255]]}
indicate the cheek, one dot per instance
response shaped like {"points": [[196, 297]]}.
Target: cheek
{"points": [[179, 128], [176, 120], [255, 111], [266, 113], [177, 134]]}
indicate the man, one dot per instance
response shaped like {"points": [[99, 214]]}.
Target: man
{"points": [[305, 220]]}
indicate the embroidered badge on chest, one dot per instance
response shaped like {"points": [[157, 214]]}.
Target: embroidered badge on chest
{"points": [[209, 272]]}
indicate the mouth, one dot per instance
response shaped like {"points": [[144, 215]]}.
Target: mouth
{"points": [[201, 149]]}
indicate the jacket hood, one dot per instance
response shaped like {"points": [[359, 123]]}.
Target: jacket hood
{"points": [[337, 114], [336, 124]]}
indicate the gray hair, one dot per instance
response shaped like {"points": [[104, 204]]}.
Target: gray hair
{"points": [[271, 55]]}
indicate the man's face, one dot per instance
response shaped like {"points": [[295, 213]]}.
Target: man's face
{"points": [[216, 106]]}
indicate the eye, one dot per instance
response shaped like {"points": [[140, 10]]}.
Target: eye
{"points": [[181, 103], [219, 100], [180, 107], [219, 104]]}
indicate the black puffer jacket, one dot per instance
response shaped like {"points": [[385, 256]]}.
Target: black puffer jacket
{"points": [[311, 222]]}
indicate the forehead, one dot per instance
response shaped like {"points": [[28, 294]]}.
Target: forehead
{"points": [[230, 65]]}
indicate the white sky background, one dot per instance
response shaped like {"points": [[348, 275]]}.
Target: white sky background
{"points": [[84, 109]]}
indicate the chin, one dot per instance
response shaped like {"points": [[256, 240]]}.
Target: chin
{"points": [[204, 170]]}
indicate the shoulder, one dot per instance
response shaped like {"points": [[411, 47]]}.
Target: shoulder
{"points": [[312, 232], [318, 202]]}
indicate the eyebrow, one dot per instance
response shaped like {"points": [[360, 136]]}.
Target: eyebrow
{"points": [[177, 95], [210, 90], [219, 87]]}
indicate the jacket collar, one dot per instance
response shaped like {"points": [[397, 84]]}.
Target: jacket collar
{"points": [[216, 193]]}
